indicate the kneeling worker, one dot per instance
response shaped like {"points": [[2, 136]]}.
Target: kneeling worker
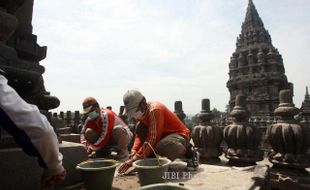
{"points": [[104, 132], [158, 128]]}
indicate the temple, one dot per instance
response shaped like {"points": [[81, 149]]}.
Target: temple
{"points": [[256, 67]]}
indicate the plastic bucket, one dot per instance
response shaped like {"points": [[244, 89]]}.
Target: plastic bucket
{"points": [[149, 170], [97, 174], [164, 186]]}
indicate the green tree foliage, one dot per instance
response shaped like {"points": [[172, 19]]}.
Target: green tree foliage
{"points": [[191, 121]]}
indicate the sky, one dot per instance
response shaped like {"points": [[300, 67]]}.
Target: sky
{"points": [[168, 49]]}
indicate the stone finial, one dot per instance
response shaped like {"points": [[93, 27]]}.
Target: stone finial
{"points": [[241, 137], [205, 114], [178, 107], [206, 136], [239, 111], [76, 117], [55, 114], [62, 115], [178, 110], [289, 140], [68, 119], [286, 107]]}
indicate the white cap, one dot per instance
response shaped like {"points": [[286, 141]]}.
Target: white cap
{"points": [[88, 104], [132, 99]]}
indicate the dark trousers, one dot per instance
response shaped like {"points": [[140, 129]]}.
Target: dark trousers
{"points": [[171, 146]]}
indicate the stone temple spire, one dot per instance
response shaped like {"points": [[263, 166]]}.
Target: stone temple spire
{"points": [[307, 97], [253, 30], [305, 108], [256, 68]]}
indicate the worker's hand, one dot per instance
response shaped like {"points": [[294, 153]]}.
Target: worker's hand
{"points": [[49, 178], [125, 166], [92, 155], [89, 149]]}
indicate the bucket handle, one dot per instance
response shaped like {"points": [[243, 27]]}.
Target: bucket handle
{"points": [[156, 155]]}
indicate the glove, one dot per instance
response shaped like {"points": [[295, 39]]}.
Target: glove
{"points": [[49, 178]]}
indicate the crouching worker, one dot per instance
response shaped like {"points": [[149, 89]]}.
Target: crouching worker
{"points": [[32, 131], [157, 127], [104, 132]]}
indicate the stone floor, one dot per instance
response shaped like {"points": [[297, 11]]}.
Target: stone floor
{"points": [[212, 177], [217, 176]]}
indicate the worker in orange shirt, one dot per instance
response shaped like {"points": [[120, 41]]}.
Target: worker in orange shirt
{"points": [[157, 127]]}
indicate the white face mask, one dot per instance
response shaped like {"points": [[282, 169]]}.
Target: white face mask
{"points": [[93, 115], [138, 115]]}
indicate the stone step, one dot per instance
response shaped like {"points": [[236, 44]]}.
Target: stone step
{"points": [[71, 137]]}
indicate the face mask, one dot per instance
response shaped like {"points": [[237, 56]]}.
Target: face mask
{"points": [[93, 115], [138, 115]]}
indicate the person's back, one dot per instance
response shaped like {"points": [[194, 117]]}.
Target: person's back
{"points": [[169, 121]]}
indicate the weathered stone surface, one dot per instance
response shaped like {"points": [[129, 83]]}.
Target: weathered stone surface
{"points": [[287, 179], [256, 68], [289, 139], [208, 177], [8, 24], [65, 130], [207, 137], [178, 110], [242, 138], [71, 137], [305, 110], [19, 171], [20, 54]]}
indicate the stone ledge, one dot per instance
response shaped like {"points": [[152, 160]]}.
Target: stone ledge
{"points": [[20, 171]]}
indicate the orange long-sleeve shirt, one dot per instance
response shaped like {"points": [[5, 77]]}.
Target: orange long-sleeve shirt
{"points": [[160, 122]]}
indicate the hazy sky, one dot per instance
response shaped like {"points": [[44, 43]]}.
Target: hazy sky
{"points": [[169, 49]]}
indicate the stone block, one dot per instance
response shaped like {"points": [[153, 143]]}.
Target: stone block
{"points": [[20, 171], [71, 137], [65, 130]]}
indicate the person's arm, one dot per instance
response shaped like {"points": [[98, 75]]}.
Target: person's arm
{"points": [[136, 145], [82, 135], [154, 133], [30, 129]]}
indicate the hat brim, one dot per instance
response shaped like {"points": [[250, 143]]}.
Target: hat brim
{"points": [[87, 109]]}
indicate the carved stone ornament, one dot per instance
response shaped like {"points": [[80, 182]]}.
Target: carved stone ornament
{"points": [[207, 137], [289, 139], [242, 138]]}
